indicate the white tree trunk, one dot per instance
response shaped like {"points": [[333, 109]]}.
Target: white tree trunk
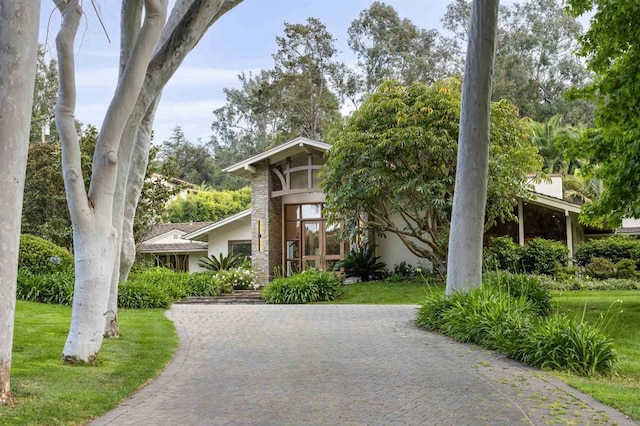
{"points": [[18, 49], [96, 242], [464, 264]]}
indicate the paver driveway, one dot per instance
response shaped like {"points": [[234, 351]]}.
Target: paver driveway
{"points": [[341, 365]]}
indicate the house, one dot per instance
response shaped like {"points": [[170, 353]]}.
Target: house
{"points": [[285, 230]]}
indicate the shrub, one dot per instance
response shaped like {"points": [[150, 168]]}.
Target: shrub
{"points": [[174, 284], [503, 254], [614, 248], [600, 268], [203, 284], [310, 286], [235, 279], [142, 294], [565, 272], [221, 263], [626, 269], [40, 256], [559, 343], [497, 320], [584, 283], [53, 288], [542, 256], [362, 262], [521, 285], [404, 269]]}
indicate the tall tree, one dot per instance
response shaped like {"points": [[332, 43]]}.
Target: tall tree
{"points": [[393, 164], [106, 211], [464, 263], [611, 47], [193, 162], [19, 44], [535, 63], [388, 47], [299, 96], [45, 92]]}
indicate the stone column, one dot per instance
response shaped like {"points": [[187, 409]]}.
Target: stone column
{"points": [[266, 218]]}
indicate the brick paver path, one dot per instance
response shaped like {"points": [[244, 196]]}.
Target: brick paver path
{"points": [[341, 365]]}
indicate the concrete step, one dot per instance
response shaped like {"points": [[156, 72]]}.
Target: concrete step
{"points": [[238, 297]]}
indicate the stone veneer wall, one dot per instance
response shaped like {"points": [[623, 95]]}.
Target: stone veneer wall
{"points": [[269, 211]]}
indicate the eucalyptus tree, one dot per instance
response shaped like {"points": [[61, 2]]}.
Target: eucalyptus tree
{"points": [[19, 43], [464, 262], [535, 61], [390, 47], [102, 215]]}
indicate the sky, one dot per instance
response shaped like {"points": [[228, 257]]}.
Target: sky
{"points": [[242, 40]]}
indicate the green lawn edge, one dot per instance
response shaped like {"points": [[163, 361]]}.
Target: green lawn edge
{"points": [[46, 391]]}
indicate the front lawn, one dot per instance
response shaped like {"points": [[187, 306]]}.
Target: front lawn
{"points": [[623, 319], [48, 392], [388, 293]]}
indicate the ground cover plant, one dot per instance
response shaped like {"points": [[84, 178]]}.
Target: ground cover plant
{"points": [[309, 286], [512, 313], [48, 392]]}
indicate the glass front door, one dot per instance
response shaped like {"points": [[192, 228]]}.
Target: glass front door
{"points": [[309, 241]]}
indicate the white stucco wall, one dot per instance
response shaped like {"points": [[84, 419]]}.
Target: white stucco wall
{"points": [[392, 250], [552, 188], [219, 238], [194, 257], [630, 223], [171, 237]]}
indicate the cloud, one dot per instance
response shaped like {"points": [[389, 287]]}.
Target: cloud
{"points": [[203, 77], [195, 118]]}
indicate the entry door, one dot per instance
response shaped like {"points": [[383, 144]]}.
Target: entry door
{"points": [[320, 245]]}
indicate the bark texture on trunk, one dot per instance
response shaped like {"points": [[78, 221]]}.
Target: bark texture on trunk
{"points": [[464, 263], [96, 240], [19, 22]]}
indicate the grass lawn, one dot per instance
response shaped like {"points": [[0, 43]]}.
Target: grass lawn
{"points": [[48, 392], [622, 391], [386, 293]]}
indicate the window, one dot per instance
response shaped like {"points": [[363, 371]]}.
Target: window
{"points": [[240, 248], [176, 262]]}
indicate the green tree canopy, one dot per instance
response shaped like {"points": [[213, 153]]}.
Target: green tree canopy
{"points": [[535, 62], [207, 206], [393, 163], [612, 49]]}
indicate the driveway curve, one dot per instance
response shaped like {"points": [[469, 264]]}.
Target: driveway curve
{"points": [[341, 365]]}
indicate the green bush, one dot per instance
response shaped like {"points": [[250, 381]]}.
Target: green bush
{"points": [[565, 272], [626, 269], [174, 284], [522, 286], [585, 283], [614, 248], [310, 286], [203, 284], [542, 256], [600, 268], [362, 262], [495, 319], [559, 343], [501, 254], [142, 294], [236, 279], [40, 256], [52, 288]]}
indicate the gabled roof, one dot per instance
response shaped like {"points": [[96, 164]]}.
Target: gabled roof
{"points": [[173, 247], [203, 231], [278, 153], [553, 202], [164, 228]]}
